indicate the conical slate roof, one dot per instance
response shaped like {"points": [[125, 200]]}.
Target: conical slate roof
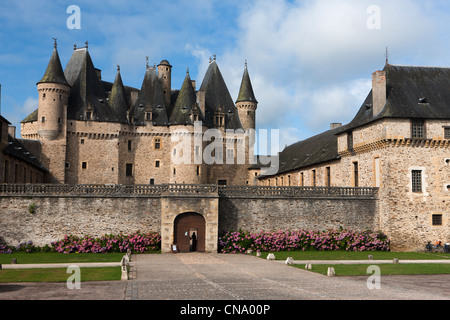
{"points": [[150, 99], [246, 90], [54, 72], [184, 104], [87, 90], [118, 99], [217, 96]]}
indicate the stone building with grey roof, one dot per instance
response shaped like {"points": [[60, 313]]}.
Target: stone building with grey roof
{"points": [[398, 142], [98, 132]]}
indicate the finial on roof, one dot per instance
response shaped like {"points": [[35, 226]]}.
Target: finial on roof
{"points": [[387, 56], [118, 68], [210, 59], [56, 44], [74, 46], [86, 43], [187, 70], [214, 55], [146, 59], [245, 63]]}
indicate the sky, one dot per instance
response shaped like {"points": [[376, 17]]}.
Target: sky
{"points": [[310, 61]]}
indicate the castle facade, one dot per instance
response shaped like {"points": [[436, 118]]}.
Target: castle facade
{"points": [[96, 132]]}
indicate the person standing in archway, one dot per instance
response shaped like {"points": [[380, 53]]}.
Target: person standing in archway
{"points": [[194, 242]]}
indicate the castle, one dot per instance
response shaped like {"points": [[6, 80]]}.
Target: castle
{"points": [[95, 132], [388, 169]]}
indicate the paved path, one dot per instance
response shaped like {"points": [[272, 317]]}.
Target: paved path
{"points": [[204, 277]]}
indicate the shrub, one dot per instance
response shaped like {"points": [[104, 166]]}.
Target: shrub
{"points": [[241, 241]]}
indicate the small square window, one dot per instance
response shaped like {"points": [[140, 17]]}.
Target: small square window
{"points": [[436, 219], [84, 165], [157, 164], [157, 143], [82, 141], [152, 181], [446, 133]]}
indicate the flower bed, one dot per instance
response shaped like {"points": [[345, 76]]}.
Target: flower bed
{"points": [[241, 241], [136, 242]]}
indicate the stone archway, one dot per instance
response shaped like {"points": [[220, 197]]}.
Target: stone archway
{"points": [[194, 206], [185, 225]]}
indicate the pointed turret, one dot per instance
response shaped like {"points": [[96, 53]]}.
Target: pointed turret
{"points": [[54, 72], [214, 94], [185, 103], [118, 99], [150, 105], [53, 91], [246, 102], [246, 90], [87, 100]]}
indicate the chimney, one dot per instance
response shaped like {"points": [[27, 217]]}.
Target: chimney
{"points": [[378, 91], [335, 125], [12, 131], [201, 97]]}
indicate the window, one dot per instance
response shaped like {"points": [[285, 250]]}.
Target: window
{"points": [[355, 175], [67, 165], [148, 116], [436, 219], [198, 170], [447, 133], [418, 129], [129, 170], [43, 119], [157, 164], [82, 141], [302, 179], [84, 165], [88, 115], [313, 178], [416, 179], [174, 171], [289, 180], [157, 143], [129, 145], [222, 182], [152, 181], [328, 177], [350, 141]]}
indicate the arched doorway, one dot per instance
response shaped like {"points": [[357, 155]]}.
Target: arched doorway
{"points": [[185, 225]]}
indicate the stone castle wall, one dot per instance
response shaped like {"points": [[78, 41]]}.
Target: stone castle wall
{"points": [[96, 211]]}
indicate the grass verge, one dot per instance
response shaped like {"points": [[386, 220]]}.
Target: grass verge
{"points": [[385, 269], [26, 258], [59, 274]]}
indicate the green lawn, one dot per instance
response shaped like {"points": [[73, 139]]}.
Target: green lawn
{"points": [[385, 269], [25, 258], [59, 274], [346, 255]]}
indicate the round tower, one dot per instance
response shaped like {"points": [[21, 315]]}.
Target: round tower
{"points": [[54, 92], [165, 76], [246, 102]]}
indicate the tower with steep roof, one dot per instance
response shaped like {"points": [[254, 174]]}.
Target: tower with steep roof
{"points": [[53, 91], [165, 76], [246, 102]]}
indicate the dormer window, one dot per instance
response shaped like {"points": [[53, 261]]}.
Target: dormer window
{"points": [[418, 129], [88, 115]]}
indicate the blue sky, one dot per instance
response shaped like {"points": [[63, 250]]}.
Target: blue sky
{"points": [[310, 61]]}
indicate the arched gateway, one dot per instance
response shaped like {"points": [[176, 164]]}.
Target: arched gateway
{"points": [[189, 232], [188, 209]]}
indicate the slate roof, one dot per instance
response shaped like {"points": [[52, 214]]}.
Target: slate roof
{"points": [[217, 96], [413, 92], [16, 149], [54, 72], [185, 102], [150, 99], [112, 102], [246, 90]]}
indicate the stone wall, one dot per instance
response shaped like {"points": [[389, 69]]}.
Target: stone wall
{"points": [[98, 210]]}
